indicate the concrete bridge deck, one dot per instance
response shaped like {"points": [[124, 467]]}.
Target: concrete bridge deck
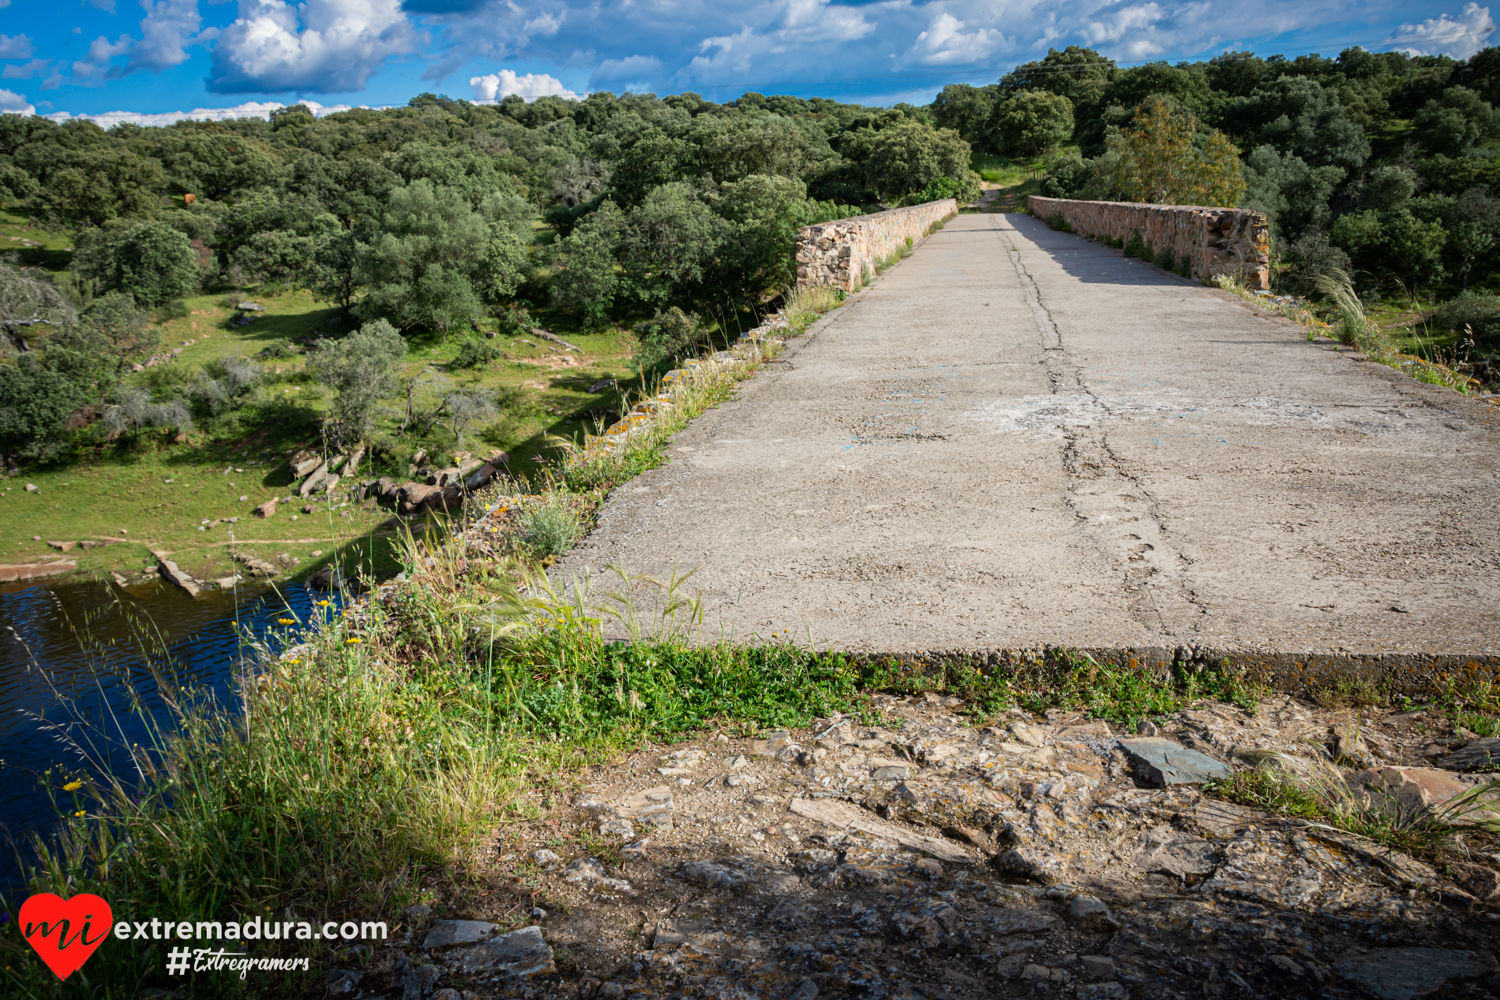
{"points": [[1018, 437]]}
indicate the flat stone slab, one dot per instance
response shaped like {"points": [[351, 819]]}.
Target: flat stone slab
{"points": [[1480, 755], [1407, 973], [851, 817], [450, 932], [521, 954], [1168, 763]]}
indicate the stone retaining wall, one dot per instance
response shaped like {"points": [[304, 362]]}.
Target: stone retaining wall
{"points": [[1231, 241], [844, 253]]}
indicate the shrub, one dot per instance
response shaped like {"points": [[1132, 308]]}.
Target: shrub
{"points": [[665, 337], [1166, 259], [1056, 221], [473, 353], [515, 322], [550, 528], [1136, 246], [152, 261], [357, 368], [1476, 310], [275, 352]]}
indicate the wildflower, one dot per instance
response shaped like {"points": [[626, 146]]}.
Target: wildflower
{"points": [[72, 786], [286, 621], [352, 639], [78, 813], [324, 604]]}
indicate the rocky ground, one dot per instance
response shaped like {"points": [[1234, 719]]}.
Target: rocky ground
{"points": [[913, 854]]}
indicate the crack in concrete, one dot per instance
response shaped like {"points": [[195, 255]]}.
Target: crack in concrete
{"points": [[1141, 554]]}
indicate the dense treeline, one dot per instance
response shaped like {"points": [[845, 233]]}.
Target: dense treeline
{"points": [[1382, 165], [423, 215], [427, 217]]}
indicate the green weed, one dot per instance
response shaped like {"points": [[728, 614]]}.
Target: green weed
{"points": [[551, 527]]}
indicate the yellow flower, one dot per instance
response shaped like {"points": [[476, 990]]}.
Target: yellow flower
{"points": [[324, 604], [286, 621], [296, 660], [351, 640], [78, 813], [72, 786]]}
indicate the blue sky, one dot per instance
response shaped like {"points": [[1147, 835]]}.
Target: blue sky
{"points": [[162, 57]]}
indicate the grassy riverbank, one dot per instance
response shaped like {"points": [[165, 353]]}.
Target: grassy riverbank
{"points": [[157, 491]]}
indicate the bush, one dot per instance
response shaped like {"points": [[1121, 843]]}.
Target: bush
{"points": [[550, 528], [473, 353], [1476, 310], [357, 368], [515, 322], [666, 337], [1136, 246], [152, 261], [1056, 221], [1166, 259], [1312, 258], [275, 352]]}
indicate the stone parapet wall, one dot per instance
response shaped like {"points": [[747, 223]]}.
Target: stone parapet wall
{"points": [[844, 252], [1230, 241]]}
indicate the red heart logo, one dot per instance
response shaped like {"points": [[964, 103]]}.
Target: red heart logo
{"points": [[62, 930]]}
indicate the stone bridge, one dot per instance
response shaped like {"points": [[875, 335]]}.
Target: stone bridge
{"points": [[1018, 437]]}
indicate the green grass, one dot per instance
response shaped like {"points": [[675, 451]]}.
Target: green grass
{"points": [[114, 488], [373, 764]]}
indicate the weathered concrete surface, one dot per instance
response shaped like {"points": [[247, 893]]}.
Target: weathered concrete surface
{"points": [[1118, 458]]}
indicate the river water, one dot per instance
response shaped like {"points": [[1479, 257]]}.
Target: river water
{"points": [[80, 654]]}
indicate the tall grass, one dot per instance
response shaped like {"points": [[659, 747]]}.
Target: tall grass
{"points": [[1315, 789], [1353, 326]]}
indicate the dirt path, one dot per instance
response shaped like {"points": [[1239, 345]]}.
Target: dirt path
{"points": [[1019, 437]]}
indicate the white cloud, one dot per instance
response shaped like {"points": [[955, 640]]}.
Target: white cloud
{"points": [[167, 29], [16, 47], [629, 68], [108, 6], [250, 109], [1458, 37], [26, 71], [494, 86], [946, 43], [326, 46], [1129, 28], [792, 23], [95, 68], [819, 21], [545, 25], [169, 25], [12, 103]]}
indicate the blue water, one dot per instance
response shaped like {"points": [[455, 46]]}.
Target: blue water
{"points": [[80, 655]]}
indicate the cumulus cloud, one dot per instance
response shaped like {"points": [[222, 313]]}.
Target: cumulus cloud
{"points": [[1458, 37], [250, 109], [945, 43], [12, 103], [629, 68], [16, 47], [325, 46], [1129, 29], [793, 23], [168, 27], [26, 71], [493, 87]]}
